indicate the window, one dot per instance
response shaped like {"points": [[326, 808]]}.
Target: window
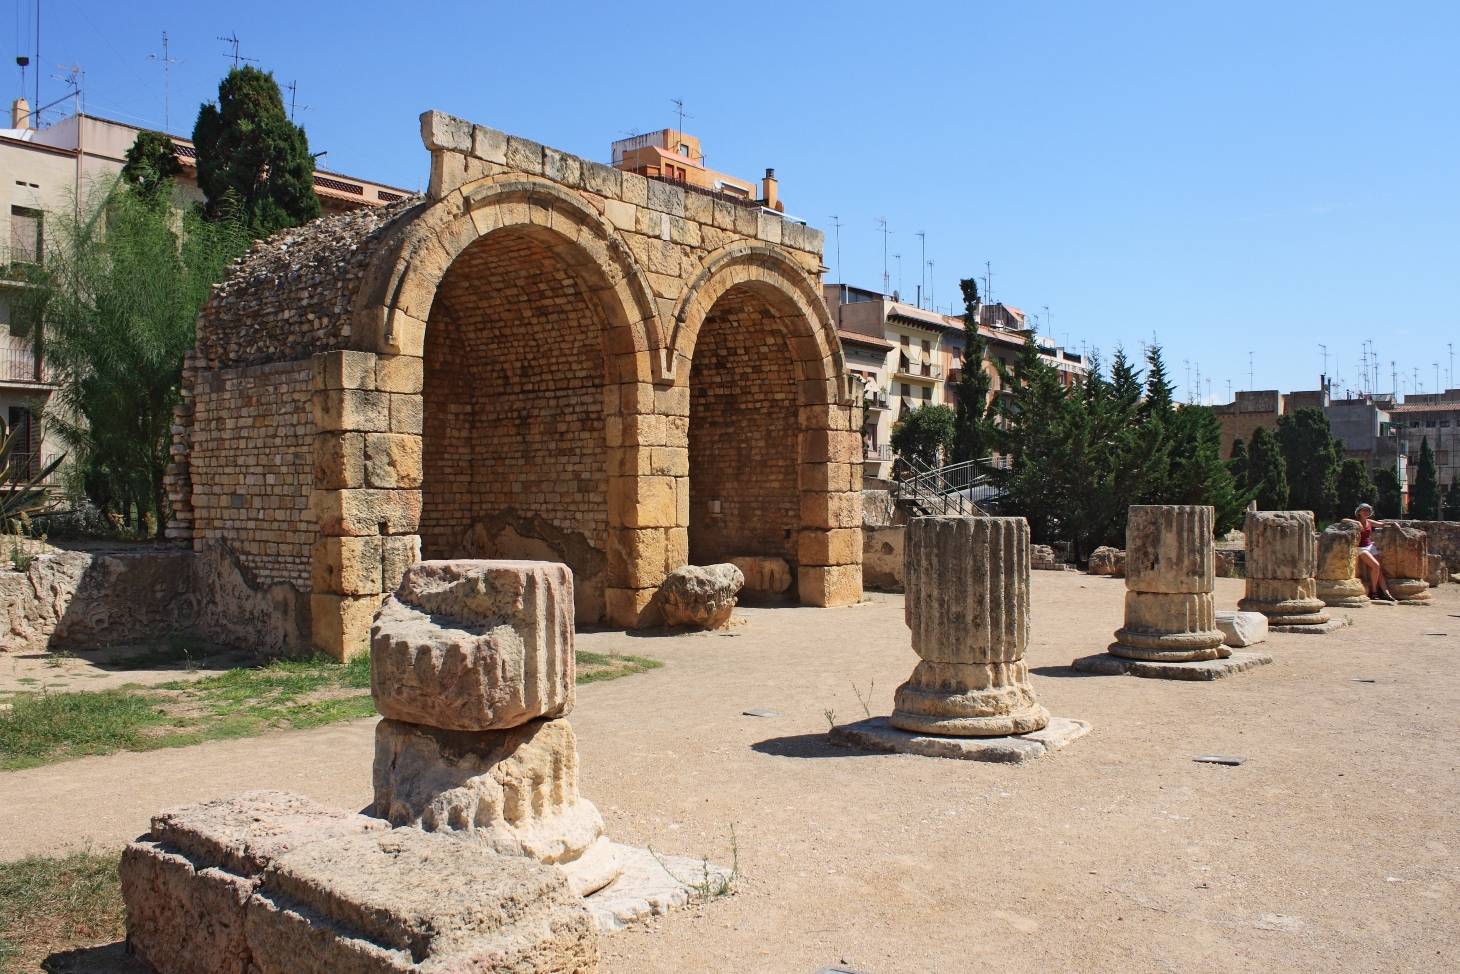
{"points": [[1429, 424], [926, 347], [904, 340], [684, 150], [927, 392], [25, 234], [906, 390]]}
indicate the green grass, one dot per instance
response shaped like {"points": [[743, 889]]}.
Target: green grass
{"points": [[41, 728], [47, 905]]}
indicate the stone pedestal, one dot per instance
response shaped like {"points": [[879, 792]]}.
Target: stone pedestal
{"points": [[968, 609], [472, 667], [1336, 578], [1170, 613], [1282, 555], [1404, 556]]}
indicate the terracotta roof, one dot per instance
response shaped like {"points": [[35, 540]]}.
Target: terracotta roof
{"points": [[870, 341], [1449, 406]]}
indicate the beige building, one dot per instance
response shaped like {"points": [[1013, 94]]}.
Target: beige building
{"points": [[1432, 416], [53, 170]]}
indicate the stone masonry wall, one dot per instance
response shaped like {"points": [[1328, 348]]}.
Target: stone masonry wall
{"points": [[514, 450], [742, 431], [252, 465]]}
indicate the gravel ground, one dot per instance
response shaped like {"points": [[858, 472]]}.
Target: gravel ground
{"points": [[1333, 848]]}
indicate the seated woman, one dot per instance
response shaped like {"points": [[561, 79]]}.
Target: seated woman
{"points": [[1373, 575]]}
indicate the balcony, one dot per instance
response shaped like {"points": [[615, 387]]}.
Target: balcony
{"points": [[918, 370], [877, 452], [18, 361], [876, 399]]}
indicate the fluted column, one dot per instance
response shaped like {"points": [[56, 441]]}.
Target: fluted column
{"points": [[967, 582], [1170, 613], [1338, 561], [1282, 555]]}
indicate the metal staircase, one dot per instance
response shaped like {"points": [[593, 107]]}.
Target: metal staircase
{"points": [[955, 488]]}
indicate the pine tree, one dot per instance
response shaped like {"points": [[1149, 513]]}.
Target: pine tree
{"points": [[973, 421], [1424, 493], [1390, 492], [253, 162], [1197, 473], [151, 164], [1355, 487], [1237, 463], [1159, 396], [1452, 500], [1267, 473], [1312, 464]]}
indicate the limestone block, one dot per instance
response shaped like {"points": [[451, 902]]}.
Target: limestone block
{"points": [[1169, 626], [344, 370], [186, 882], [393, 460], [442, 131], [1169, 548], [475, 645], [346, 566], [703, 597], [1439, 572], [1295, 600], [1240, 629], [339, 460], [339, 625], [831, 510], [1226, 563], [968, 608], [351, 410], [1348, 593], [764, 574], [398, 553], [1280, 544], [839, 546], [829, 585], [515, 789], [366, 511], [400, 374], [1338, 551], [408, 901], [1404, 556], [1108, 561]]}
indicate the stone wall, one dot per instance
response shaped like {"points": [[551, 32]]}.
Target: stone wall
{"points": [[1444, 540], [252, 465], [883, 553]]}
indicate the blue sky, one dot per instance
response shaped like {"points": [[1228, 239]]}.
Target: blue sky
{"points": [[1236, 177]]}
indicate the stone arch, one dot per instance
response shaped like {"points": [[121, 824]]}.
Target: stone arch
{"points": [[773, 468]]}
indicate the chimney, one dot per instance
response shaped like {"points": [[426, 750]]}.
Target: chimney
{"points": [[20, 114], [770, 191]]}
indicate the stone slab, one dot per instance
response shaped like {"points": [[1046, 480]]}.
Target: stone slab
{"points": [[651, 886], [1242, 629], [878, 734], [1317, 629], [1103, 664]]}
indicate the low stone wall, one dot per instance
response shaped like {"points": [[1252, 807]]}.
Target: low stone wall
{"points": [[91, 599], [1444, 539], [882, 557]]}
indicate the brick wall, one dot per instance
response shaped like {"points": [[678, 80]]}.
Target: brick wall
{"points": [[252, 465], [742, 435], [514, 455]]}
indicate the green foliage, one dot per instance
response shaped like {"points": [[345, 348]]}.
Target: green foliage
{"points": [[1312, 461], [1390, 493], [1355, 487], [115, 302], [973, 422], [49, 905], [1452, 500], [1267, 471], [151, 165], [22, 495], [253, 162], [1237, 462], [1424, 493], [1197, 474], [924, 435]]}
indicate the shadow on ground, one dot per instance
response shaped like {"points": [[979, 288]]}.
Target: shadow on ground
{"points": [[807, 746], [107, 959], [1060, 672]]}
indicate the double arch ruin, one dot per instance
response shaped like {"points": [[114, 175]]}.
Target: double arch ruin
{"points": [[542, 358]]}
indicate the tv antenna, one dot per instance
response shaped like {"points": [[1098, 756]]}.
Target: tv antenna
{"points": [[932, 285], [232, 39], [1324, 348], [680, 115], [898, 258], [922, 236], [167, 63], [886, 281], [293, 87], [988, 281], [1249, 371], [836, 224]]}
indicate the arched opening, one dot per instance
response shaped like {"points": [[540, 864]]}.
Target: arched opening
{"points": [[743, 430], [514, 457]]}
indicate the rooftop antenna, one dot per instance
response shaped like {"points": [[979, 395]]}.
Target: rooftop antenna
{"points": [[232, 39], [167, 63], [988, 281], [886, 281], [1048, 320], [836, 223], [293, 87], [1249, 371], [1325, 361], [1416, 378], [1437, 377], [1451, 372], [932, 285], [1394, 377], [898, 258], [1229, 390], [680, 115], [35, 122], [922, 236]]}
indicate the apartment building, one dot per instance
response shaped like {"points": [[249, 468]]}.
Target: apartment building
{"points": [[678, 157], [53, 170], [1432, 416]]}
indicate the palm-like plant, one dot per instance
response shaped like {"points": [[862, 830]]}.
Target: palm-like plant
{"points": [[21, 498]]}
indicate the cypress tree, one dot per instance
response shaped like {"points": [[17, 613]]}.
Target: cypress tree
{"points": [[253, 162], [1267, 473], [1312, 464], [1452, 500], [151, 164], [1198, 475], [1237, 462], [973, 420], [1424, 494], [1390, 501], [1355, 487], [1159, 396]]}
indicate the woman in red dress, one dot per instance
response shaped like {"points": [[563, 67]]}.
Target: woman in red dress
{"points": [[1369, 568]]}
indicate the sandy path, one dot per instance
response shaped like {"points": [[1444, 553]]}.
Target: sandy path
{"points": [[1332, 849]]}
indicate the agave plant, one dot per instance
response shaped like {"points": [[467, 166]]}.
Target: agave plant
{"points": [[21, 498]]}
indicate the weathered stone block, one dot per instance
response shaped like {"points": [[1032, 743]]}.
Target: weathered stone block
{"points": [[398, 552], [489, 144], [393, 460], [400, 374], [1170, 626], [347, 566], [829, 585], [339, 625], [1404, 556], [763, 574], [351, 409], [1241, 629], [442, 131], [839, 546], [1280, 544], [1107, 561], [703, 597], [366, 511], [1169, 548], [475, 645], [838, 510], [407, 414], [339, 460], [344, 370], [408, 901], [524, 155]]}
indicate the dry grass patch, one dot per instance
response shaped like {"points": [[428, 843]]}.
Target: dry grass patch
{"points": [[49, 905]]}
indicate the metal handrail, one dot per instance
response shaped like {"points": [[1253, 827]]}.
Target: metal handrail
{"points": [[943, 490]]}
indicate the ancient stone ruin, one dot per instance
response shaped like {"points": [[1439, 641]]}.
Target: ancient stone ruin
{"points": [[1336, 579], [542, 358], [1282, 555], [472, 670], [1170, 629], [968, 608], [702, 597], [1404, 556]]}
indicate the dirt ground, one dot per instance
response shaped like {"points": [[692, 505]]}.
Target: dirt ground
{"points": [[1333, 848]]}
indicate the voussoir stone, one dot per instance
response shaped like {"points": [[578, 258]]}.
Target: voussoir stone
{"points": [[411, 901], [702, 596], [475, 645]]}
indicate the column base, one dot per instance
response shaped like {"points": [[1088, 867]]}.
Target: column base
{"points": [[879, 734], [1169, 647], [1410, 591], [968, 700], [1104, 664], [1345, 593]]}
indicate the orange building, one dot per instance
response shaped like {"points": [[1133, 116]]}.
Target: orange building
{"points": [[677, 157]]}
